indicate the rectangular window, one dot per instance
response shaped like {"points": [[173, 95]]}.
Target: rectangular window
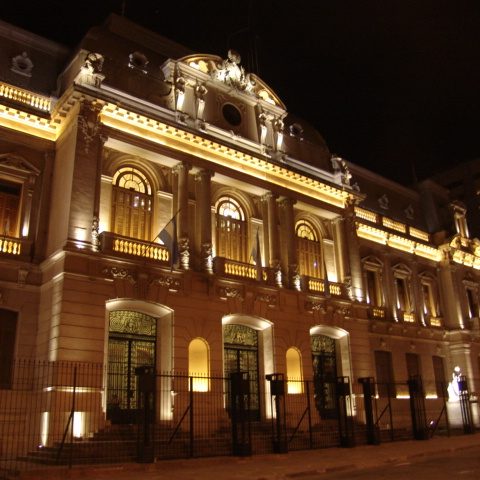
{"points": [[384, 371], [413, 364], [403, 295], [472, 303], [9, 205], [439, 374], [373, 289], [8, 328]]}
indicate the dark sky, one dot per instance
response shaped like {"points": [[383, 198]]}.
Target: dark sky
{"points": [[392, 85]]}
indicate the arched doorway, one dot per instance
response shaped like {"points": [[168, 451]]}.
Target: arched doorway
{"points": [[241, 355], [248, 344], [324, 362], [131, 344], [330, 359]]}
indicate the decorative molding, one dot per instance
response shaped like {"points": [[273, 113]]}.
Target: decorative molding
{"points": [[230, 292], [89, 122], [22, 276], [90, 71], [22, 65], [167, 281], [119, 273]]}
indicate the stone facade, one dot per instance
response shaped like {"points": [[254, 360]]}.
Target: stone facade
{"points": [[130, 134]]}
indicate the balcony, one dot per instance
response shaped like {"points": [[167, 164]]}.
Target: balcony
{"points": [[318, 285], [15, 248], [225, 266], [377, 313], [112, 243]]}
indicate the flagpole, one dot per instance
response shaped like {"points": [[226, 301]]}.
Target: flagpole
{"points": [[159, 232]]}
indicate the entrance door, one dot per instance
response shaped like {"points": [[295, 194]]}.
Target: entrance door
{"points": [[241, 355], [131, 344], [324, 375]]}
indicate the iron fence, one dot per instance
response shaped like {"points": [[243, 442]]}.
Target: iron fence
{"points": [[56, 414]]}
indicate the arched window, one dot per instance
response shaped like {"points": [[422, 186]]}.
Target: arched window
{"points": [[198, 365], [231, 230], [309, 250], [294, 371], [131, 204]]}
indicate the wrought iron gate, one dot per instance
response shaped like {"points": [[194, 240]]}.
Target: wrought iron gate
{"points": [[131, 344], [325, 375], [241, 355]]}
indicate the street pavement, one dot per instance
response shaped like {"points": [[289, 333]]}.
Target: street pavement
{"points": [[272, 466]]}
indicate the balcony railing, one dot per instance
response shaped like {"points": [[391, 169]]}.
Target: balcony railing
{"points": [[113, 243], [15, 247], [233, 268], [377, 313], [319, 285]]}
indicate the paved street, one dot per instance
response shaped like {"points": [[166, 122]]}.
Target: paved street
{"points": [[461, 464], [438, 458]]}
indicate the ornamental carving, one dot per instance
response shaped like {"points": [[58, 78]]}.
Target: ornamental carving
{"points": [[90, 72], [22, 65], [230, 72], [383, 202], [126, 321], [315, 307], [230, 292], [89, 123], [270, 300], [240, 335], [168, 282], [118, 273], [138, 61], [340, 166]]}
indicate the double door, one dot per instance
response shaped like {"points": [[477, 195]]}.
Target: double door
{"points": [[125, 354]]}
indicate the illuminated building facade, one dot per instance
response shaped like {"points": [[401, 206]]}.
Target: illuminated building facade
{"points": [[280, 257]]}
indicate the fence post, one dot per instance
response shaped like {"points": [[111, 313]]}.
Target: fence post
{"points": [[344, 407], [464, 397], [417, 407], [146, 416], [239, 408], [277, 402], [368, 384]]}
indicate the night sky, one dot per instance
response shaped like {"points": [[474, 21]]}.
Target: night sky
{"points": [[392, 85]]}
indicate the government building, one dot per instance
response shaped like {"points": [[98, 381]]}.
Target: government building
{"points": [[175, 243]]}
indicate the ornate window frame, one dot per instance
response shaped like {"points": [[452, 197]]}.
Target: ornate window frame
{"points": [[431, 312], [404, 299]]}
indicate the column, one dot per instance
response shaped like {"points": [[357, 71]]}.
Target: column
{"points": [[203, 220], [180, 171], [289, 258], [273, 234], [96, 201], [83, 221], [389, 287], [353, 269]]}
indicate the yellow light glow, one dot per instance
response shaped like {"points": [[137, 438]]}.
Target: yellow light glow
{"points": [[420, 234], [389, 223], [78, 424], [177, 139], [23, 96], [294, 371], [44, 428], [366, 215]]}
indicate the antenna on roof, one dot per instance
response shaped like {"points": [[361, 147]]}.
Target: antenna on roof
{"points": [[249, 39]]}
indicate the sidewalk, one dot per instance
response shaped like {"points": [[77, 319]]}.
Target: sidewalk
{"points": [[269, 467]]}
